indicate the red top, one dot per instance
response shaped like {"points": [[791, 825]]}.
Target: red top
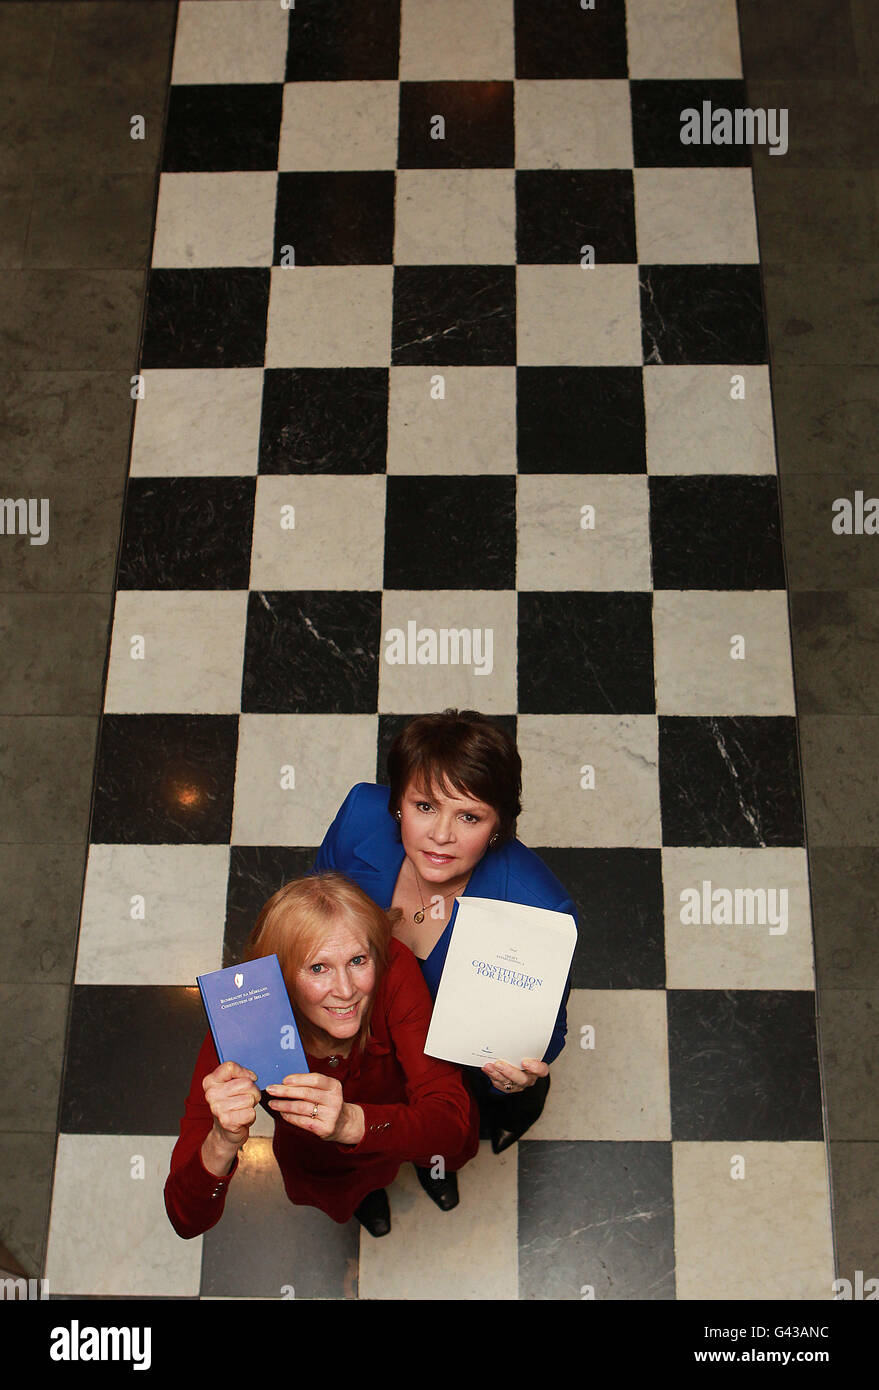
{"points": [[414, 1107]]}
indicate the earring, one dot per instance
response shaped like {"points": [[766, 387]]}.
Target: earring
{"points": [[493, 840], [399, 815]]}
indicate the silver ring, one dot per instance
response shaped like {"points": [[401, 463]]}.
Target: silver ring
{"points": [[509, 1086]]}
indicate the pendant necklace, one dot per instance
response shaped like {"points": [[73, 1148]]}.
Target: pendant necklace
{"points": [[419, 916]]}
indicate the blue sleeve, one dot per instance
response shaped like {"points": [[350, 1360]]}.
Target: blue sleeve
{"points": [[559, 1032], [331, 847]]}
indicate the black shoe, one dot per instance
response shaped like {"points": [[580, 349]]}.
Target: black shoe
{"points": [[374, 1213], [443, 1192], [502, 1139]]}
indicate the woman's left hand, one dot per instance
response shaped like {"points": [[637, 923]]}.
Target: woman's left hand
{"points": [[315, 1102], [508, 1078]]}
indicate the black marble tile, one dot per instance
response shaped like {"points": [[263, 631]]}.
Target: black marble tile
{"points": [[223, 127], [743, 1065], [619, 902], [450, 533], [580, 420], [264, 1247], [566, 40], [343, 41], [701, 314], [476, 130], [716, 532], [657, 122], [324, 420], [454, 316], [730, 781], [255, 873], [559, 211], [187, 533], [311, 652], [165, 779], [130, 1057], [338, 217], [389, 725], [596, 1220], [206, 318], [586, 653]]}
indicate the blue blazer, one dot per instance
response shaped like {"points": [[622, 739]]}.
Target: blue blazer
{"points": [[364, 843]]}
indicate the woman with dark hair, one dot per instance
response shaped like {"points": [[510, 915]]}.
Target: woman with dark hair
{"points": [[371, 1100], [444, 827]]}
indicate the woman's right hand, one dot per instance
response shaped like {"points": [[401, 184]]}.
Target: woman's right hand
{"points": [[233, 1097]]}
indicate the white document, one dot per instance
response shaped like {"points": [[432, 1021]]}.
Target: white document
{"points": [[502, 983]]}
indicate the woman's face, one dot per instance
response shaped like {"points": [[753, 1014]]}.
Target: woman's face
{"points": [[446, 834], [333, 986]]}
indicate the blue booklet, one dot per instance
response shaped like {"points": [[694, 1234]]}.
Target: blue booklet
{"points": [[251, 1019]]}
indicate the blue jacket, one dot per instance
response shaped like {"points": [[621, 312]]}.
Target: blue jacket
{"points": [[364, 843]]}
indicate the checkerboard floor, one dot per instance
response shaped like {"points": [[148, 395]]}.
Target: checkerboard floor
{"points": [[446, 328]]}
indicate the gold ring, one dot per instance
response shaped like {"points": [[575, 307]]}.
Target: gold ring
{"points": [[314, 1112]]}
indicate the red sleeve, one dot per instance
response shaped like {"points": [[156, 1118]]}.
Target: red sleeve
{"points": [[194, 1197], [439, 1116]]}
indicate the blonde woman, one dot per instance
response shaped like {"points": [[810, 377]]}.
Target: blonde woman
{"points": [[371, 1099]]}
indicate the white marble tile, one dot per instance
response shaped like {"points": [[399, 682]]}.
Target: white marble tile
{"points": [[476, 670], [722, 653], [767, 941], [109, 1233], [215, 219], [452, 420], [573, 124], [442, 42], [558, 752], [556, 552], [330, 316], [339, 125], [152, 914], [225, 41], [198, 423], [318, 533], [468, 1253], [176, 651], [695, 216], [569, 315], [765, 1235], [328, 753], [683, 38], [611, 1079], [698, 423], [455, 217]]}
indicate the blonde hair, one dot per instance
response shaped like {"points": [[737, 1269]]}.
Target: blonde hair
{"points": [[295, 921]]}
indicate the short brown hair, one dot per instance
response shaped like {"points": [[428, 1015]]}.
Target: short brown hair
{"points": [[294, 921], [463, 751]]}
